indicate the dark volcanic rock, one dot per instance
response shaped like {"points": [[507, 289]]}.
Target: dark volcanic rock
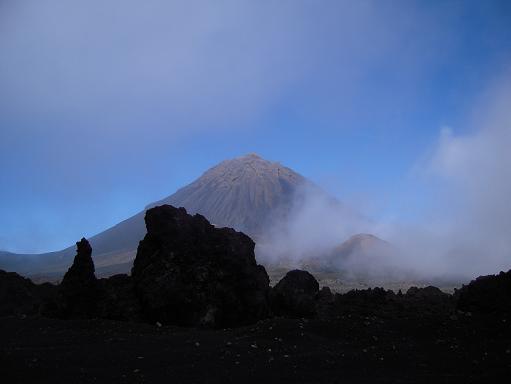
{"points": [[81, 295], [426, 294], [19, 296], [117, 300], [79, 289], [364, 302], [487, 294], [428, 301], [295, 295], [188, 272], [324, 302]]}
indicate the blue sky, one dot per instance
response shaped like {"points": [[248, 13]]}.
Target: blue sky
{"points": [[105, 108]]}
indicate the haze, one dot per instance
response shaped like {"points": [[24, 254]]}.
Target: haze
{"points": [[400, 109]]}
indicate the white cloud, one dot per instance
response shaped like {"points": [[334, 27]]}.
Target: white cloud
{"points": [[467, 231]]}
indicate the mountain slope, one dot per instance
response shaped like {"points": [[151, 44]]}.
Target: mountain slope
{"points": [[363, 254], [243, 193]]}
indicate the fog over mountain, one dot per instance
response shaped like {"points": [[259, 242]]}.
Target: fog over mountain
{"points": [[462, 231], [243, 193], [251, 194]]}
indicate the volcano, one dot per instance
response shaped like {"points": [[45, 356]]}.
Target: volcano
{"points": [[245, 193]]}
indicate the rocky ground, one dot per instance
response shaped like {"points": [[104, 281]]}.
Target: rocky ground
{"points": [[350, 349], [198, 309], [341, 283]]}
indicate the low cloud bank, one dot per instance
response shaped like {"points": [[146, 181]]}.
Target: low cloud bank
{"points": [[474, 171], [315, 225], [465, 232]]}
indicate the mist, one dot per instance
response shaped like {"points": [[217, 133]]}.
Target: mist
{"points": [[107, 107], [472, 181], [462, 230], [316, 223], [96, 96]]}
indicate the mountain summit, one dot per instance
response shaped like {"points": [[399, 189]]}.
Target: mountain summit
{"points": [[244, 193]]}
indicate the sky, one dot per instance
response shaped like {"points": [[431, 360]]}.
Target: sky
{"points": [[398, 107]]}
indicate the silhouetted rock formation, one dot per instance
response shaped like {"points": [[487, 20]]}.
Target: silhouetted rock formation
{"points": [[427, 294], [295, 295], [188, 272], [79, 288], [487, 294], [117, 299], [429, 301], [19, 296]]}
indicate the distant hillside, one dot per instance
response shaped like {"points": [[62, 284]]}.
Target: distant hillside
{"points": [[243, 193], [364, 254]]}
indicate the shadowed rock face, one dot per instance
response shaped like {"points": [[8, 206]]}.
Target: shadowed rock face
{"points": [[295, 295], [19, 296], [188, 272], [117, 299], [82, 270], [487, 294], [81, 295], [79, 287]]}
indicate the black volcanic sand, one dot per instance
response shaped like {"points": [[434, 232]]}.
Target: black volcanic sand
{"points": [[352, 348]]}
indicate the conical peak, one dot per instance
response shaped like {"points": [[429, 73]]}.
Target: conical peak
{"points": [[252, 155], [242, 193], [251, 165], [250, 158]]}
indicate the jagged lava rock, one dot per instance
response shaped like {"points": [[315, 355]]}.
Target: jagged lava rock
{"points": [[295, 295], [188, 272], [84, 296], [79, 288], [20, 296], [487, 294], [324, 302], [427, 294], [117, 299]]}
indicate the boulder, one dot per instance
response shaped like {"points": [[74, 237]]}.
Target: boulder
{"points": [[117, 299], [486, 294], [324, 302], [79, 291], [190, 273], [295, 295], [429, 293], [427, 300], [20, 296]]}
